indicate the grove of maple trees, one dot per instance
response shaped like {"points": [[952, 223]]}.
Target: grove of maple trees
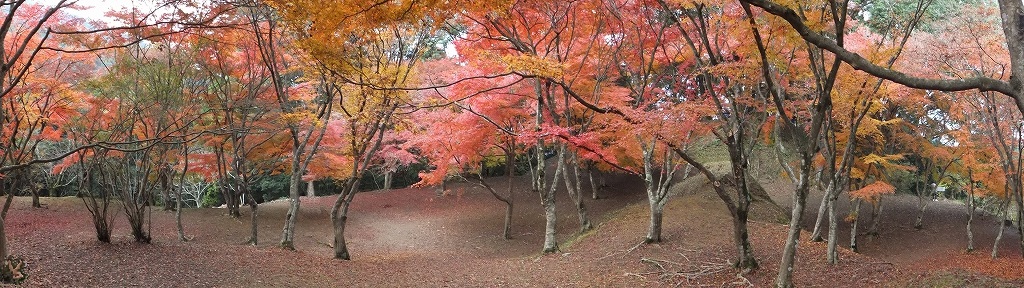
{"points": [[179, 104]]}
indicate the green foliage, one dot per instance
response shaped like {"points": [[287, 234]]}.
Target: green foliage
{"points": [[404, 177], [903, 180], [882, 16], [273, 187], [212, 198], [495, 166]]}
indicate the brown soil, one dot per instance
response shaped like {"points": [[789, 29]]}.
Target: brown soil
{"points": [[413, 237]]}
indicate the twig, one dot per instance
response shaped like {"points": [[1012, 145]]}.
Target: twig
{"points": [[655, 262], [634, 248], [659, 260], [743, 280], [610, 254]]}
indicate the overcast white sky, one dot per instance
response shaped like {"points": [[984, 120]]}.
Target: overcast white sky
{"points": [[97, 7]]}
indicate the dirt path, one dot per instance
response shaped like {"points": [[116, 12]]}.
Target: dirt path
{"points": [[412, 237], [939, 246]]}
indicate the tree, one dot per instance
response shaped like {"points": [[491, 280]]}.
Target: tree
{"points": [[558, 73], [367, 67], [251, 144], [478, 131], [35, 89], [304, 111], [1011, 17]]}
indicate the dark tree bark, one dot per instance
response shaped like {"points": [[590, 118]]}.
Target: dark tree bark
{"points": [[876, 216], [572, 185], [970, 209]]}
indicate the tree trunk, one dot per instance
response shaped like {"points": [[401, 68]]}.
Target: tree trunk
{"points": [[593, 187], [919, 222], [339, 217], [35, 198], [177, 217], [548, 201], [3, 239], [785, 277], [832, 252], [340, 249], [253, 222], [310, 191], [7, 205], [654, 230], [574, 193], [876, 215], [288, 233], [230, 200], [1020, 198], [816, 235], [746, 251], [387, 179], [970, 218], [3, 222], [165, 187], [999, 237], [853, 226], [922, 203], [166, 197], [509, 174]]}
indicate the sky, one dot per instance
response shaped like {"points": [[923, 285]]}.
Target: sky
{"points": [[96, 7]]}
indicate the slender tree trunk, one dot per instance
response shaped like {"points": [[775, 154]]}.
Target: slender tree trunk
{"points": [[970, 218], [876, 215], [310, 191], [3, 239], [816, 235], [3, 222], [388, 176], [177, 217], [339, 217], [832, 253], [509, 174], [853, 226], [921, 205], [230, 200], [1001, 225], [919, 222], [288, 233], [253, 222], [166, 197], [340, 249], [1020, 198], [7, 204], [506, 233], [593, 187], [790, 250], [548, 201], [742, 236], [35, 198], [573, 187]]}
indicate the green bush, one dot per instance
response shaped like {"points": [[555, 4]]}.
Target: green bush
{"points": [[212, 198]]}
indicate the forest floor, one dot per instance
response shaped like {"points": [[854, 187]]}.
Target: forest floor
{"points": [[416, 237]]}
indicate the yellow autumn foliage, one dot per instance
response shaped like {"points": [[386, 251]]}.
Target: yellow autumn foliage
{"points": [[533, 65]]}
